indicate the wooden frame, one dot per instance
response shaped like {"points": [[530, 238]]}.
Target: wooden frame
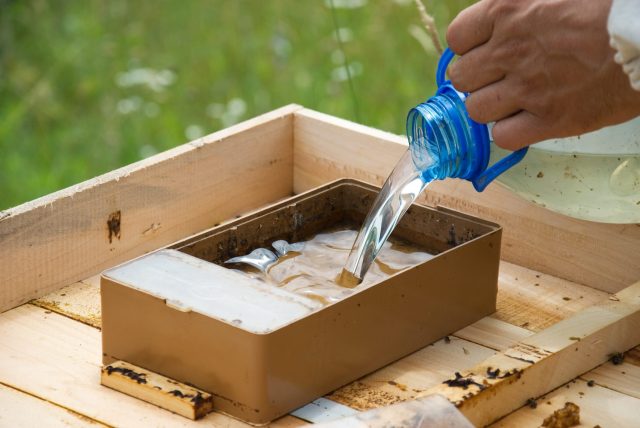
{"points": [[74, 234], [547, 360], [65, 237], [174, 396]]}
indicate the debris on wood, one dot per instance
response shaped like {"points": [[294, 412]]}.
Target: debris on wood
{"points": [[617, 358], [568, 416], [463, 382], [493, 374], [400, 386]]}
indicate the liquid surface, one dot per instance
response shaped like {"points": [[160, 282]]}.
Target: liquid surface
{"points": [[400, 190], [596, 187], [314, 270]]}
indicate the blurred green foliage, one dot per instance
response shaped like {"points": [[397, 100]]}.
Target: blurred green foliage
{"points": [[87, 86]]}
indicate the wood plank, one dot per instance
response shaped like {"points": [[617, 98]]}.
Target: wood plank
{"points": [[624, 378], [432, 364], [535, 301], [603, 256], [156, 389], [598, 407], [403, 379], [399, 381], [406, 378], [499, 335], [77, 232], [59, 360], [20, 410], [92, 280], [493, 333], [80, 301], [547, 359], [55, 350]]}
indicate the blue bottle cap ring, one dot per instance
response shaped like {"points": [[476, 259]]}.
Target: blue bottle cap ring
{"points": [[477, 151]]}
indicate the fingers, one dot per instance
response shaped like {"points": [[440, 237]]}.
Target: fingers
{"points": [[520, 130], [492, 103], [472, 27], [475, 69]]}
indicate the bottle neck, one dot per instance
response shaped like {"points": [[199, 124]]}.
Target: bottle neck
{"points": [[442, 139]]}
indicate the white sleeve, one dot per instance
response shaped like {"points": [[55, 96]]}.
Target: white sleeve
{"points": [[624, 31]]}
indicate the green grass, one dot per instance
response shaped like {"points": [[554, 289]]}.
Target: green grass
{"points": [[71, 109]]}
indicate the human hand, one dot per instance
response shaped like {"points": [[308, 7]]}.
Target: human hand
{"points": [[540, 69]]}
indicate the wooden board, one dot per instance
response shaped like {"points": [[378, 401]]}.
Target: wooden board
{"points": [[493, 333], [602, 256], [543, 361], [59, 360], [598, 407], [19, 409], [533, 300], [408, 377], [623, 378], [80, 301], [47, 346], [548, 302], [153, 388], [77, 232]]}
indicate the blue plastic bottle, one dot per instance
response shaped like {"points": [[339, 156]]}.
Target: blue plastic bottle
{"points": [[595, 176], [446, 143]]}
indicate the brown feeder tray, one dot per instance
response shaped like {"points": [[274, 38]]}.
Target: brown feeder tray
{"points": [[262, 351]]}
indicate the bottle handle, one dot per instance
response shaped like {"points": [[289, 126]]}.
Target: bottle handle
{"points": [[483, 179], [443, 64], [490, 174]]}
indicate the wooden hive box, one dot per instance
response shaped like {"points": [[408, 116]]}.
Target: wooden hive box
{"points": [[556, 324]]}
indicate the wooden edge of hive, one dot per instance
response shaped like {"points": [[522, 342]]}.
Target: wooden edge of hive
{"points": [[156, 389], [545, 360]]}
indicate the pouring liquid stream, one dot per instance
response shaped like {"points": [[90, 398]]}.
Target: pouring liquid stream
{"points": [[401, 189]]}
